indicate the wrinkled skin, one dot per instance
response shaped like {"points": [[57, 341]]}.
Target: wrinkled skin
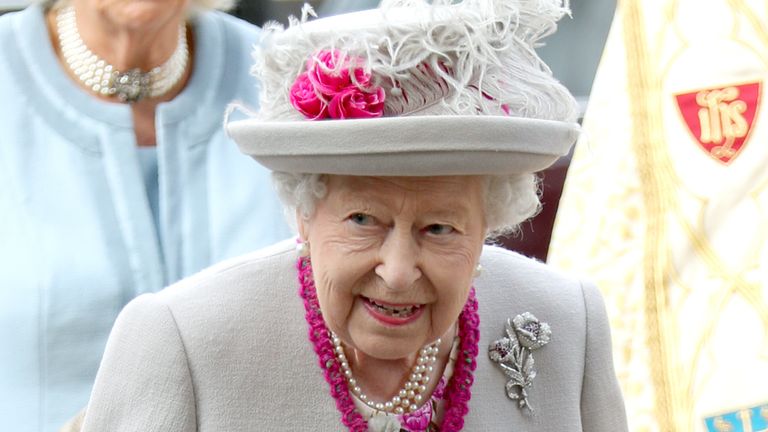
{"points": [[397, 240]]}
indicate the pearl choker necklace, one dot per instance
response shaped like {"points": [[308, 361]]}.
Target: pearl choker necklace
{"points": [[408, 398], [102, 78]]}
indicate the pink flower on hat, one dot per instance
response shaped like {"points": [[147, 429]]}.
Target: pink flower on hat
{"points": [[355, 103], [328, 71], [304, 99], [336, 86]]}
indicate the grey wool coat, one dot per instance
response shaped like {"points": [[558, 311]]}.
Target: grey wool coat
{"points": [[227, 350]]}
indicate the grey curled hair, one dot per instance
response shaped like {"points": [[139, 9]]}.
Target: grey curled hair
{"points": [[509, 200]]}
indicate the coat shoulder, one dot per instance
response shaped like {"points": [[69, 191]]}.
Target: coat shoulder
{"points": [[245, 276], [575, 385], [511, 278], [238, 26]]}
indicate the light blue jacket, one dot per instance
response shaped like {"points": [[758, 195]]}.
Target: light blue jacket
{"points": [[77, 235]]}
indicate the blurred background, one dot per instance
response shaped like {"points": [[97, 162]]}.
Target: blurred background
{"points": [[573, 54]]}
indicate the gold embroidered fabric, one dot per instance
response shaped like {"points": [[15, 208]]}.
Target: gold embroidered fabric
{"points": [[666, 208]]}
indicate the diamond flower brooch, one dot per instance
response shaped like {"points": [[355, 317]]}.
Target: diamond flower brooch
{"points": [[514, 354]]}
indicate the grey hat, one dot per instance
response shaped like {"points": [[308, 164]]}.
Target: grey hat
{"points": [[411, 88]]}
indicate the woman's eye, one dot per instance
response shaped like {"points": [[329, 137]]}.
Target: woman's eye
{"points": [[362, 219], [439, 229]]}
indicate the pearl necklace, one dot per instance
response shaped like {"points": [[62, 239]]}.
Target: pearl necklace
{"points": [[102, 78], [410, 395]]}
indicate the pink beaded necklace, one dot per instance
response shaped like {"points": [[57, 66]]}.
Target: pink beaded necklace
{"points": [[459, 390]]}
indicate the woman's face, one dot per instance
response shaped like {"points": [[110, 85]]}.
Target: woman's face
{"points": [[394, 257]]}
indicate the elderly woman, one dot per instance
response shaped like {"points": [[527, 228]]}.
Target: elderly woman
{"points": [[116, 179], [401, 138]]}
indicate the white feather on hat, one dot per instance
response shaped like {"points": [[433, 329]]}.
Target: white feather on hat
{"points": [[460, 91]]}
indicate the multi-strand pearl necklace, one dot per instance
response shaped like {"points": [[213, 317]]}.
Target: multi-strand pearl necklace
{"points": [[410, 396], [104, 79]]}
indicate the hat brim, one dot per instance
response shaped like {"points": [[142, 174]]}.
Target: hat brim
{"points": [[406, 146]]}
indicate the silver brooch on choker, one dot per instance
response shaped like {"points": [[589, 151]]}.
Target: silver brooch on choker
{"points": [[102, 78], [514, 354]]}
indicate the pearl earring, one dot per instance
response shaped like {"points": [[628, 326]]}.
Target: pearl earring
{"points": [[478, 270], [302, 248]]}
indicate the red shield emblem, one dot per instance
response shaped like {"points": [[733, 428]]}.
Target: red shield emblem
{"points": [[720, 119]]}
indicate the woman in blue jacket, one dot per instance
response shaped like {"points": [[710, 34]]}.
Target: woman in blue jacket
{"points": [[116, 179]]}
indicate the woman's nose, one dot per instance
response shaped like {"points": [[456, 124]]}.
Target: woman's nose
{"points": [[399, 261]]}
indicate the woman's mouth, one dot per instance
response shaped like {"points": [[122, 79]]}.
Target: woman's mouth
{"points": [[393, 314]]}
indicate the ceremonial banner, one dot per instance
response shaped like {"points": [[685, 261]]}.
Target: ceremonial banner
{"points": [[666, 208]]}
